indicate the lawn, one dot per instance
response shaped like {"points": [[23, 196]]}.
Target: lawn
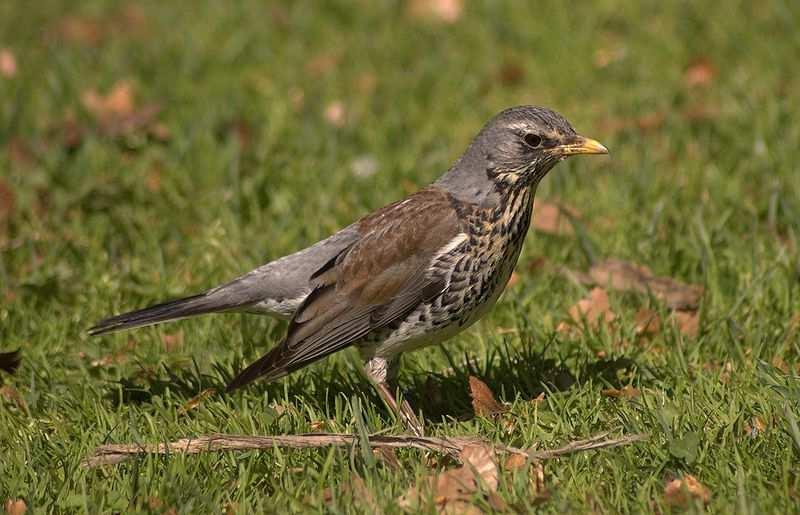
{"points": [[151, 150]]}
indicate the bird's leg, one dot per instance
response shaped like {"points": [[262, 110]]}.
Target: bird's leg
{"points": [[383, 374]]}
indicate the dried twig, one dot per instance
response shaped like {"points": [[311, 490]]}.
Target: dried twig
{"points": [[598, 441], [116, 453]]}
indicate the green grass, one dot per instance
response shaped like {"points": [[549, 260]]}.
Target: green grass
{"points": [[711, 199]]}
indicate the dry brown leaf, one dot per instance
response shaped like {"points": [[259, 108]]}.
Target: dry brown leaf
{"points": [[366, 82], [626, 392], [8, 64], [448, 11], [173, 341], [678, 492], [452, 490], [116, 112], [117, 102], [483, 401], [594, 308], [197, 400], [754, 427], [335, 113], [687, 322], [780, 364], [15, 507], [647, 322], [605, 56], [701, 72], [650, 121], [7, 201], [318, 425], [129, 20], [512, 74], [11, 394], [324, 63], [553, 218], [626, 276], [515, 462]]}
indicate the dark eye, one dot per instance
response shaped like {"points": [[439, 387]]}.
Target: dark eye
{"points": [[532, 140]]}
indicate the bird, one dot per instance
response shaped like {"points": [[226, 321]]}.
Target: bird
{"points": [[411, 274]]}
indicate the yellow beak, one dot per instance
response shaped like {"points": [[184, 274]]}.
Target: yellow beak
{"points": [[581, 145]]}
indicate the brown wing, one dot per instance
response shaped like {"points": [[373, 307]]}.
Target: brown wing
{"points": [[378, 280]]}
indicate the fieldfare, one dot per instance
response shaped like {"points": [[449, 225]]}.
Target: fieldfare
{"points": [[408, 275]]}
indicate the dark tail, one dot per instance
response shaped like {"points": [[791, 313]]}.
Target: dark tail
{"points": [[172, 310]]}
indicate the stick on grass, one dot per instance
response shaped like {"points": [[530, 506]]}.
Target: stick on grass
{"points": [[115, 453]]}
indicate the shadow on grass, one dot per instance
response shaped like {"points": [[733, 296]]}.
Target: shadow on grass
{"points": [[508, 371]]}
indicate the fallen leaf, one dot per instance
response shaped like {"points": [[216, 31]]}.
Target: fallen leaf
{"points": [[553, 218], [754, 427], [647, 322], [780, 364], [152, 180], [7, 201], [626, 392], [197, 400], [8, 64], [594, 309], [651, 121], [15, 507], [515, 462], [701, 72], [9, 361], [483, 402], [116, 113], [11, 394], [606, 56], [117, 102], [80, 29], [297, 98], [536, 264], [448, 11], [512, 74], [323, 63], [173, 341], [366, 82], [452, 490], [128, 20], [678, 492], [19, 151], [626, 276], [687, 322], [335, 113]]}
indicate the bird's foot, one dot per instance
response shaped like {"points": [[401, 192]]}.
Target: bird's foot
{"points": [[402, 409]]}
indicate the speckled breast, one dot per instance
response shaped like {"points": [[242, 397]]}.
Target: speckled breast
{"points": [[478, 271]]}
